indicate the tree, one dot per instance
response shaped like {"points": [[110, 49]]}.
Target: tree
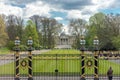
{"points": [[3, 34], [30, 30], [49, 28], [19, 27], [11, 27], [78, 28], [37, 20], [116, 42], [14, 27], [95, 23], [106, 27]]}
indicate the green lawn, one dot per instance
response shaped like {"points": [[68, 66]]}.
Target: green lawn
{"points": [[7, 69], [73, 66], [105, 64], [4, 51], [63, 51], [66, 65]]}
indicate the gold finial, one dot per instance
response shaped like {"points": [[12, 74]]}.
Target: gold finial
{"points": [[30, 38], [82, 37], [95, 37], [17, 38]]}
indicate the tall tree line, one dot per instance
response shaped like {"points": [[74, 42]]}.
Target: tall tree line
{"points": [[106, 27], [41, 29], [3, 33]]}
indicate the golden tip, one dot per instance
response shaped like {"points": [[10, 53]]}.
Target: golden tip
{"points": [[17, 38]]}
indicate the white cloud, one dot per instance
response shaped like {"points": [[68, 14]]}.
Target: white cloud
{"points": [[96, 7], [8, 10], [43, 9], [59, 18], [37, 8], [74, 14], [65, 28]]}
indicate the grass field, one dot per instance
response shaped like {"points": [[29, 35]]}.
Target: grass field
{"points": [[4, 51], [63, 51], [73, 66], [65, 65]]}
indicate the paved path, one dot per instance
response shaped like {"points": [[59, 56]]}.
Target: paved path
{"points": [[8, 58], [40, 51], [116, 61]]}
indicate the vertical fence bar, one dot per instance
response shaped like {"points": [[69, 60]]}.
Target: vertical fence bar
{"points": [[17, 42], [56, 70], [96, 66], [82, 42], [17, 66], [30, 66], [96, 43], [82, 66], [30, 42]]}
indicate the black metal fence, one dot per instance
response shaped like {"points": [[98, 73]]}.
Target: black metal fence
{"points": [[7, 67], [59, 66], [56, 66]]}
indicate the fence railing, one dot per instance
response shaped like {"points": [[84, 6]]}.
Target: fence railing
{"points": [[58, 66]]}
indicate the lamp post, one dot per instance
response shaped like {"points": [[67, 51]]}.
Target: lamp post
{"points": [[96, 43], [82, 42], [17, 49], [30, 43]]}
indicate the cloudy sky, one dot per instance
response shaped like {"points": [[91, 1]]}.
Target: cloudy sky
{"points": [[61, 10]]}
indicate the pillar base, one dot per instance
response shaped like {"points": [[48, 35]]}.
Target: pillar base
{"points": [[30, 78], [17, 78], [96, 78], [82, 78]]}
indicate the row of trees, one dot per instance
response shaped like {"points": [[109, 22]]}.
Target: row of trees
{"points": [[106, 27], [43, 30]]}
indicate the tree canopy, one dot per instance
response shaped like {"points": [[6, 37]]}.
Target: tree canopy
{"points": [[3, 34]]}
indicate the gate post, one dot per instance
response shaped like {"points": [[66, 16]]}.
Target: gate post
{"points": [[82, 42], [96, 43], [17, 49], [30, 42]]}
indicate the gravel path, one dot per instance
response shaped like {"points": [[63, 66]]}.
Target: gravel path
{"points": [[116, 61], [8, 58]]}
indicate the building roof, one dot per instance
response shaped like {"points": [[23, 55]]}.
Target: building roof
{"points": [[63, 34]]}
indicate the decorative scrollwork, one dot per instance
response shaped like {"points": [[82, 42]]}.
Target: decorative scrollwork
{"points": [[23, 63], [89, 63]]}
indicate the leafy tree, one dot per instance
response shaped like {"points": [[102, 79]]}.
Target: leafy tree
{"points": [[30, 30], [95, 23], [49, 28], [14, 26], [78, 28], [11, 27], [106, 27], [116, 42], [3, 34]]}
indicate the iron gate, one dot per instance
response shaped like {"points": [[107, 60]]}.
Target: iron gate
{"points": [[56, 67]]}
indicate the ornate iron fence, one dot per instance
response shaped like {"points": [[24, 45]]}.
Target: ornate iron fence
{"points": [[58, 66]]}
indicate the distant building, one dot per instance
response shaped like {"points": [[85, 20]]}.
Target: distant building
{"points": [[64, 40]]}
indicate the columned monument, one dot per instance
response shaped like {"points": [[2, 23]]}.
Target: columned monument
{"points": [[64, 40]]}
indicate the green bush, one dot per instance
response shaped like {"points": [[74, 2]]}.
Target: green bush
{"points": [[23, 47], [10, 45]]}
